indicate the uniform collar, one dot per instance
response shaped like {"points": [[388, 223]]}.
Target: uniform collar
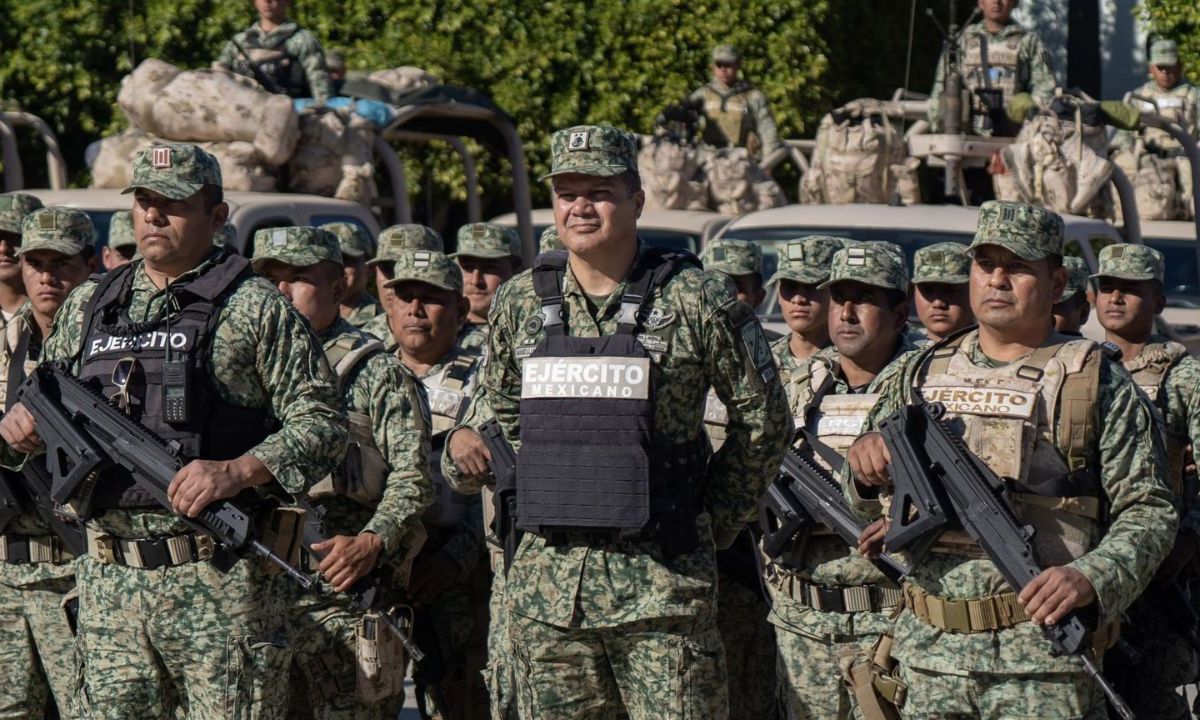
{"points": [[286, 28], [979, 28], [142, 282]]}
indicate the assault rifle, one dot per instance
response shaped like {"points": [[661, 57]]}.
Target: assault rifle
{"points": [[10, 501], [804, 495], [503, 464], [37, 482], [976, 500]]}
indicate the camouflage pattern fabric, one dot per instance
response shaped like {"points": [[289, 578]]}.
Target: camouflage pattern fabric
{"points": [[431, 268], [14, 206], [1052, 696], [487, 240], [378, 328], [592, 150], [300, 45], [353, 239], [733, 257], [325, 624], [879, 264], [1131, 262], [1077, 277], [365, 310], [1035, 74], [120, 230], [474, 337], [297, 246], [749, 643], [398, 240], [945, 262], [806, 260], [1029, 232], [549, 241], [60, 229], [177, 171]]}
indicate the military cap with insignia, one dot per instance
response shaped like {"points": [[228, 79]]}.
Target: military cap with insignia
{"points": [[399, 240], [431, 268], [879, 264], [806, 260], [14, 207], [945, 262], [733, 257], [353, 238], [177, 171], [599, 150], [298, 246], [1031, 233], [1077, 277], [1131, 262], [487, 240], [61, 229]]}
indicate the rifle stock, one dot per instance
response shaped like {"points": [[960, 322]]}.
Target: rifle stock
{"points": [[503, 464]]}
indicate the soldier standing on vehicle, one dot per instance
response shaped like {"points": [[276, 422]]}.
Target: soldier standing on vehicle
{"points": [[1072, 309], [612, 590], [122, 243], [394, 242], [265, 416], [940, 290], [37, 645], [358, 307], [1129, 296], [13, 209], [488, 254], [827, 601], [448, 577], [371, 501], [278, 54], [998, 59], [736, 114], [1085, 474]]}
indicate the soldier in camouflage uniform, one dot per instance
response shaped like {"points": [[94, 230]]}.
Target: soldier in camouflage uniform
{"points": [[999, 54], [968, 646], [803, 302], [13, 209], [278, 54], [371, 502], [448, 576], [1072, 309], [488, 254], [153, 614], [549, 241], [940, 275], [735, 113], [827, 601], [1129, 295], [37, 645], [599, 621], [358, 307], [122, 244], [395, 241]]}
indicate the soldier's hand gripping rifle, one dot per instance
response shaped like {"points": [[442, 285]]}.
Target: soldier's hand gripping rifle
{"points": [[805, 494], [976, 499], [503, 464]]}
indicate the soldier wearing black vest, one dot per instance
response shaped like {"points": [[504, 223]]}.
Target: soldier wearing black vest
{"points": [[250, 397], [598, 365]]}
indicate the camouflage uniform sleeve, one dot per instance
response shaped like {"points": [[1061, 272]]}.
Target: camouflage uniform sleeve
{"points": [[1142, 515], [303, 396], [402, 436], [1041, 69], [308, 50], [64, 341], [478, 412], [764, 122], [501, 372], [1184, 379], [746, 381], [227, 57], [466, 544], [935, 95]]}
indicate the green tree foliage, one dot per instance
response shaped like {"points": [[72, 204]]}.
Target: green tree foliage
{"points": [[1178, 20], [548, 63]]}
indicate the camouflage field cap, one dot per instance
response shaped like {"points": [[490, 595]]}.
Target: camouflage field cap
{"points": [[1077, 278], [120, 230], [399, 240], [1029, 232], [549, 241], [432, 268], [726, 54], [296, 246], [945, 262], [1164, 52], [806, 260], [733, 257], [487, 240], [592, 150], [177, 171], [354, 239], [227, 235], [878, 264], [1131, 262], [61, 229], [13, 209]]}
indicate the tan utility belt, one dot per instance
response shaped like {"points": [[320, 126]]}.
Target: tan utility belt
{"points": [[971, 615], [26, 549], [150, 553], [836, 598]]}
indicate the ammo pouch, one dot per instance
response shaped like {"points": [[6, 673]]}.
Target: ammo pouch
{"points": [[870, 677], [282, 530], [380, 660]]}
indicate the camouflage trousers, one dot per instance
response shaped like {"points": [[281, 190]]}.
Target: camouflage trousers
{"points": [[749, 641], [1166, 663], [37, 647], [665, 669], [460, 622], [811, 676], [994, 697], [499, 654], [214, 642]]}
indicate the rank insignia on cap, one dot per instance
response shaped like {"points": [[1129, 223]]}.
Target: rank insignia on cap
{"points": [[420, 259], [579, 140], [1008, 214], [160, 157], [1118, 252], [856, 256], [278, 237], [479, 231], [795, 251], [47, 221]]}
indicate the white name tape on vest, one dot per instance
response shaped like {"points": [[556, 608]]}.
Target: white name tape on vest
{"points": [[840, 425], [983, 401], [154, 340], [620, 378]]}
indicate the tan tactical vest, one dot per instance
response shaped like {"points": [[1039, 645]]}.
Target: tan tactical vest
{"points": [[363, 473], [1148, 370], [1173, 105], [1006, 417], [449, 391], [991, 62], [728, 117], [836, 420]]}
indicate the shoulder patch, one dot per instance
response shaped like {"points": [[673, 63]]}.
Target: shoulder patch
{"points": [[758, 349]]}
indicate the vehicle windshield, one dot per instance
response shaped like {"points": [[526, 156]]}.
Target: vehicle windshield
{"points": [[1180, 281]]}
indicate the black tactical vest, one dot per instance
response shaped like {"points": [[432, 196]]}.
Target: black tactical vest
{"points": [[216, 429], [588, 463]]}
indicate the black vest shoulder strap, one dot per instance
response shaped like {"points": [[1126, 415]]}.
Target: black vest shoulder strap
{"points": [[548, 272], [109, 287], [654, 268]]}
